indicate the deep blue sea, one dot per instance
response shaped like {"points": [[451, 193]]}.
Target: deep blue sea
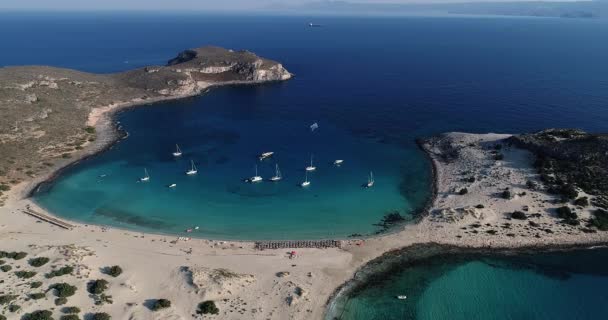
{"points": [[372, 84]]}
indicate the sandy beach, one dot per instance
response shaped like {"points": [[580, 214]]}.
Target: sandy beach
{"points": [[246, 283]]}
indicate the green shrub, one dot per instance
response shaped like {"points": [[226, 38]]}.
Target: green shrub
{"points": [[2, 262], [160, 304], [566, 213], [6, 298], [100, 299], [61, 301], [113, 271], [519, 215], [2, 317], [63, 290], [36, 296], [5, 187], [582, 201], [531, 184], [600, 219], [97, 286], [100, 316], [463, 191], [70, 310], [13, 255], [25, 274], [60, 272], [89, 129], [69, 317], [14, 307], [38, 262], [35, 284], [207, 307], [6, 268], [39, 315], [506, 194]]}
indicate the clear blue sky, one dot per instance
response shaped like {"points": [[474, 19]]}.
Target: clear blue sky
{"points": [[179, 4]]}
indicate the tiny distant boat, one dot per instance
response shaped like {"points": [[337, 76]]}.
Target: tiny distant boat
{"points": [[338, 162], [146, 177], [314, 126], [103, 175], [277, 176], [173, 185], [196, 228], [255, 178], [313, 25], [192, 170], [178, 151], [265, 155], [401, 297], [311, 167], [370, 180], [306, 183]]}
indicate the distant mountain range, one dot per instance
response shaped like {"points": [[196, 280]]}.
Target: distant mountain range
{"points": [[573, 9]]}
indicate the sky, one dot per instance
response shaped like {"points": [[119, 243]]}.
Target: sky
{"points": [[180, 5]]}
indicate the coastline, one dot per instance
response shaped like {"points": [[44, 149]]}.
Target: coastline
{"points": [[306, 287]]}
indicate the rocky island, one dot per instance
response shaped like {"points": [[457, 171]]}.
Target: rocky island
{"points": [[52, 116]]}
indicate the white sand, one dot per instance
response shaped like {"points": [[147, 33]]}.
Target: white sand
{"points": [[267, 284]]}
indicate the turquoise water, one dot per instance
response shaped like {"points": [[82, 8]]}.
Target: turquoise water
{"points": [[561, 285], [374, 85]]}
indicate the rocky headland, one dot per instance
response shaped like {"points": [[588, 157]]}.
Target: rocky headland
{"points": [[53, 116]]}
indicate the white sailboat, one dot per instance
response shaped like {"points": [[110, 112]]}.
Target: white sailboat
{"points": [[192, 170], [178, 151], [370, 180], [265, 155], [338, 162], [255, 178], [146, 177], [277, 176], [401, 297], [311, 167], [173, 185], [306, 183]]}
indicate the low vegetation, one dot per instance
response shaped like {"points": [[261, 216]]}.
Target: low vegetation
{"points": [[70, 310], [113, 271], [97, 286], [37, 295], [61, 301], [63, 290], [38, 262], [39, 315], [519, 215], [100, 316], [600, 219], [35, 284], [581, 202], [69, 317], [463, 191], [14, 308], [207, 307], [25, 274], [60, 272], [160, 304], [13, 255], [6, 268], [7, 298]]}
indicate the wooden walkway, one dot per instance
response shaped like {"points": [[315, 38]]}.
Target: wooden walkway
{"points": [[286, 244], [49, 219]]}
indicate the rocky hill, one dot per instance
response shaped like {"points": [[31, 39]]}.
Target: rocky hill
{"points": [[47, 112]]}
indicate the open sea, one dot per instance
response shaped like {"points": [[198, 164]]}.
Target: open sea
{"points": [[373, 85]]}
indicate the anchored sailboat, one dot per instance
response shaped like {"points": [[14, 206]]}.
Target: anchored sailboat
{"points": [[146, 177], [255, 178], [178, 151], [306, 183], [370, 180], [338, 162], [277, 176], [265, 155], [311, 167], [192, 170]]}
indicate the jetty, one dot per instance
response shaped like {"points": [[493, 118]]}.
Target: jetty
{"points": [[47, 218], [287, 244]]}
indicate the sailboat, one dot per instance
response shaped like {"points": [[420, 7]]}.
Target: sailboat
{"points": [[173, 185], [178, 151], [370, 180], [255, 178], [146, 177], [311, 167], [338, 162], [306, 183], [277, 175], [192, 170]]}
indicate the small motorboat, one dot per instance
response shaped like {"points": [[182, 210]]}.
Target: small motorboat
{"points": [[265, 155], [314, 126], [178, 151], [311, 167], [401, 297], [146, 177], [338, 162], [173, 185], [255, 178], [370, 180]]}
